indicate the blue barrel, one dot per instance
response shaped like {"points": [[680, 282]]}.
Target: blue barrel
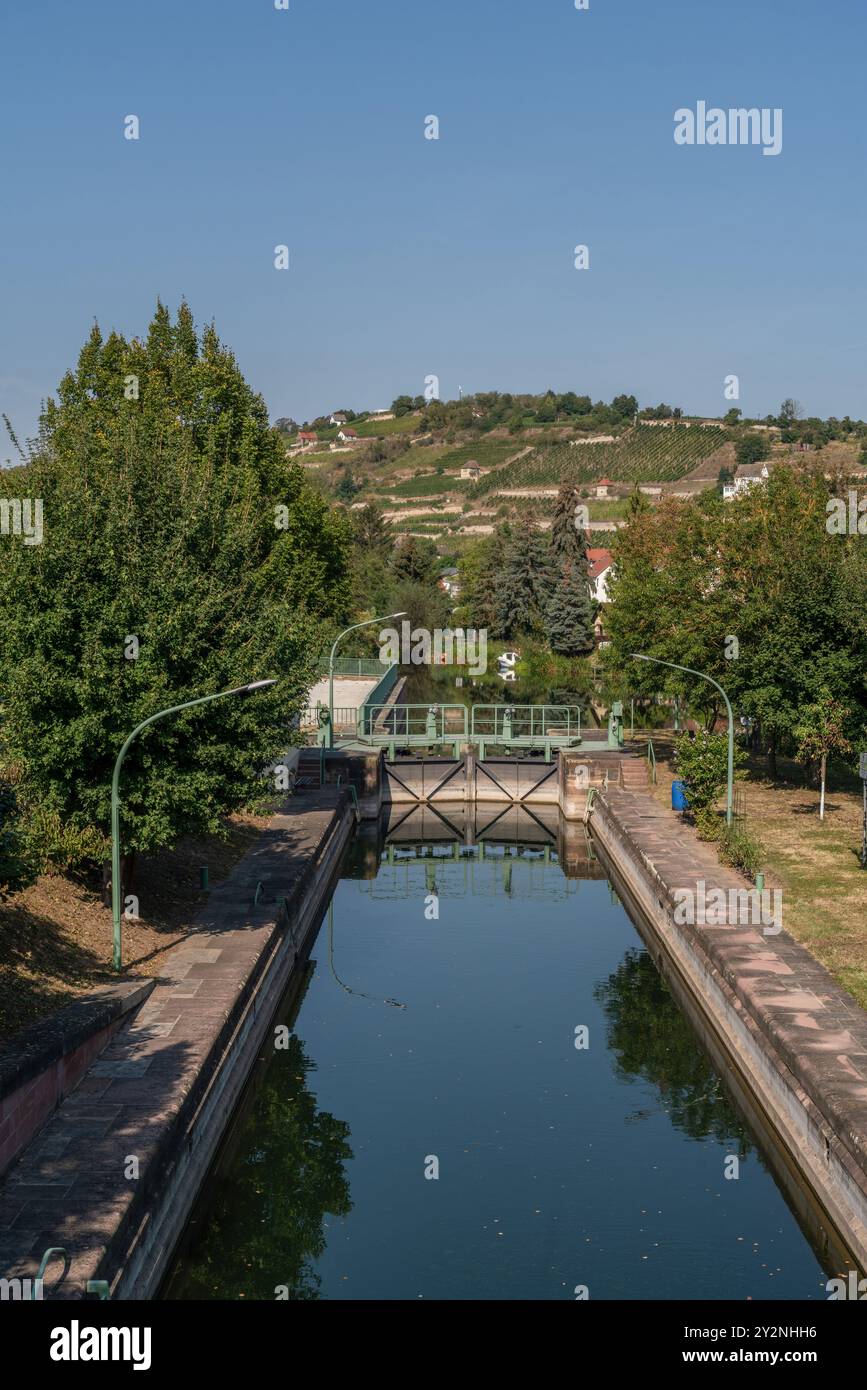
{"points": [[679, 801]]}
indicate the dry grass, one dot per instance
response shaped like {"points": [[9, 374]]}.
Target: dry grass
{"points": [[56, 937], [816, 863]]}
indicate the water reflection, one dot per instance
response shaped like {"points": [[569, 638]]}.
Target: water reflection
{"points": [[651, 1040], [266, 1227]]}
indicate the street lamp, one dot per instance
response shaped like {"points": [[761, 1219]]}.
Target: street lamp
{"points": [[115, 797], [638, 656], [368, 622]]}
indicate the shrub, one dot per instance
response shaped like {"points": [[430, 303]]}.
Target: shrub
{"points": [[702, 763], [707, 823], [740, 850], [16, 866]]}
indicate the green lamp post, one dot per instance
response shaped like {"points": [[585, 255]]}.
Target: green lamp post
{"points": [[115, 797], [638, 656], [368, 622]]}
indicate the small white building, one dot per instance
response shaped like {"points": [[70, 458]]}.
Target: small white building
{"points": [[599, 563], [347, 436], [747, 475], [449, 582]]}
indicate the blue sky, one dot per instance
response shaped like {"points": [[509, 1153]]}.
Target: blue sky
{"points": [[412, 257]]}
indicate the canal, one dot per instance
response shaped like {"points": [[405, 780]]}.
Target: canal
{"points": [[422, 1124]]}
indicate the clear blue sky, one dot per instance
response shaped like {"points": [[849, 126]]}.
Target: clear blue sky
{"points": [[412, 257]]}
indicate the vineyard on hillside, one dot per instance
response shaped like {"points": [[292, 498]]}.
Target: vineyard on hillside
{"points": [[645, 454], [428, 485], [487, 453]]}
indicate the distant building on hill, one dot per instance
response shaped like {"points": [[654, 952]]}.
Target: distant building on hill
{"points": [[347, 435], [448, 581], [747, 475], [308, 437], [602, 487], [471, 469], [337, 419]]}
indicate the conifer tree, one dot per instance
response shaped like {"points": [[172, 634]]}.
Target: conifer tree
{"points": [[571, 613], [523, 583]]}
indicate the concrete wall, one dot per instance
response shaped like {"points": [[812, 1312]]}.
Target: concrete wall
{"points": [[809, 1126]]}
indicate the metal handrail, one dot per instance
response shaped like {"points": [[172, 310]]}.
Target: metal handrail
{"points": [[359, 666], [436, 722], [651, 758], [526, 722]]}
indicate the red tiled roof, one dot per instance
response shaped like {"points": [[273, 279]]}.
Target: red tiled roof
{"points": [[598, 561]]}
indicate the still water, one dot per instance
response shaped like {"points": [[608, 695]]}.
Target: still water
{"points": [[419, 1043]]}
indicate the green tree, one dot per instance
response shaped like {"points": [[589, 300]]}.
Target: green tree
{"points": [[568, 537], [347, 488], [523, 583], [478, 588], [752, 449], [570, 612], [370, 530], [182, 555], [416, 559], [821, 734], [16, 866]]}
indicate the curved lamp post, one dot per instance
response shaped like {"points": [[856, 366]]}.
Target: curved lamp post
{"points": [[115, 797], [368, 622], [638, 656]]}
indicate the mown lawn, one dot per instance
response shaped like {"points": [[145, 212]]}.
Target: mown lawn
{"points": [[815, 863]]}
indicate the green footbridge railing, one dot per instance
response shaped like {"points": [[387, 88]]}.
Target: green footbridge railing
{"points": [[543, 727]]}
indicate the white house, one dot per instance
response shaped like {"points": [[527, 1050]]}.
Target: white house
{"points": [[599, 564], [337, 419], [448, 581], [747, 475], [347, 435]]}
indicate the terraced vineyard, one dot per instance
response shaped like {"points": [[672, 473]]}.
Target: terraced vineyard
{"points": [[487, 453], [645, 454], [428, 485]]}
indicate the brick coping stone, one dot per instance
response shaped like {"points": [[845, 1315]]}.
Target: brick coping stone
{"points": [[48, 1039]]}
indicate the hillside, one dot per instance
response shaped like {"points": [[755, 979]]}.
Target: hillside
{"points": [[411, 465]]}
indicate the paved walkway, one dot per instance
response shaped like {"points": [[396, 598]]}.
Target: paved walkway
{"points": [[72, 1185]]}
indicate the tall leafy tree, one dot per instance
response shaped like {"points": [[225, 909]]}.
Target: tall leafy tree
{"points": [[821, 734], [754, 592], [182, 555]]}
